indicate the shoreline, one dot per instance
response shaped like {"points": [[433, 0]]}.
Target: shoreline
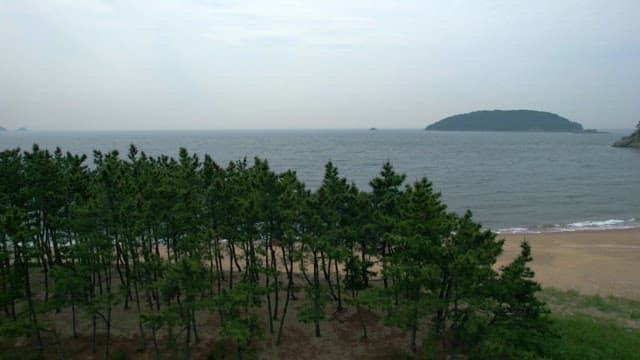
{"points": [[586, 225], [563, 231], [594, 261]]}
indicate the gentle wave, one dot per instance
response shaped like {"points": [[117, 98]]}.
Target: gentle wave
{"points": [[517, 230], [596, 224], [609, 224]]}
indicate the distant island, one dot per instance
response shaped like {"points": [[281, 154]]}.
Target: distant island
{"points": [[507, 120], [3, 129], [632, 140]]}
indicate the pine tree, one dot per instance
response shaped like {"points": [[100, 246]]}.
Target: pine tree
{"points": [[385, 196]]}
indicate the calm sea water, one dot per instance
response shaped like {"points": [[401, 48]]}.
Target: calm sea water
{"points": [[513, 182]]}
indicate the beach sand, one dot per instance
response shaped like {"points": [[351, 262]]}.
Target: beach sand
{"points": [[603, 262]]}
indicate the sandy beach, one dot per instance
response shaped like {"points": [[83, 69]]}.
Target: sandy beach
{"points": [[603, 262]]}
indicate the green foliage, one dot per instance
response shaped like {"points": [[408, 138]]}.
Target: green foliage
{"points": [[309, 313], [218, 351], [168, 237], [238, 309], [520, 326], [185, 277], [18, 328], [357, 273], [70, 284], [120, 355], [157, 319]]}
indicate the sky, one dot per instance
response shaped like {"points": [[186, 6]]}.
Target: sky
{"points": [[261, 64]]}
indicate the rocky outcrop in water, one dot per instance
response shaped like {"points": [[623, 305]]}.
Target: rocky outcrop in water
{"points": [[632, 140]]}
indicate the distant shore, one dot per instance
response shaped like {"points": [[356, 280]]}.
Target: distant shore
{"points": [[604, 262]]}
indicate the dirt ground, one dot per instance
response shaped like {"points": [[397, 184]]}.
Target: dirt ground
{"points": [[341, 337]]}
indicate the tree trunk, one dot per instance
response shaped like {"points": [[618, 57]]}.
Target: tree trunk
{"points": [[276, 285], [267, 283], [338, 285], [289, 270], [32, 310], [156, 350], [93, 333], [73, 319], [316, 290], [362, 323], [414, 330]]}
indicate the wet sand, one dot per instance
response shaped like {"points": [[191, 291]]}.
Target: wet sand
{"points": [[603, 262]]}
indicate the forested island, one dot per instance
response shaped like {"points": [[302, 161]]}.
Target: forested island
{"points": [[632, 140], [162, 257], [506, 120]]}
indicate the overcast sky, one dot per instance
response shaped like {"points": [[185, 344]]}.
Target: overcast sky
{"points": [[153, 64]]}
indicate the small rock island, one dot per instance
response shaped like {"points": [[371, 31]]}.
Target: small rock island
{"points": [[506, 120], [632, 141]]}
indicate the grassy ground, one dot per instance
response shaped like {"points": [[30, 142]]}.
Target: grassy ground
{"points": [[594, 327], [625, 312]]}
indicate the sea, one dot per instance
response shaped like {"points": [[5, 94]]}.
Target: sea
{"points": [[512, 182]]}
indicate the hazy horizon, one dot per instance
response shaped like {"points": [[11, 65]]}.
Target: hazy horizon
{"points": [[190, 65]]}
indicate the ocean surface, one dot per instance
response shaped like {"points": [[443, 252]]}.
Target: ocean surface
{"points": [[513, 182]]}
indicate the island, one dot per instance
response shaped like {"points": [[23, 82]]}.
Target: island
{"points": [[2, 129], [632, 141], [22, 129], [506, 120]]}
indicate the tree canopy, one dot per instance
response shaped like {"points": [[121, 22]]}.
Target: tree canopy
{"points": [[169, 238]]}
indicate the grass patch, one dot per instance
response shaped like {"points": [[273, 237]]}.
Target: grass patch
{"points": [[584, 337], [560, 296], [593, 326], [608, 305], [570, 302]]}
